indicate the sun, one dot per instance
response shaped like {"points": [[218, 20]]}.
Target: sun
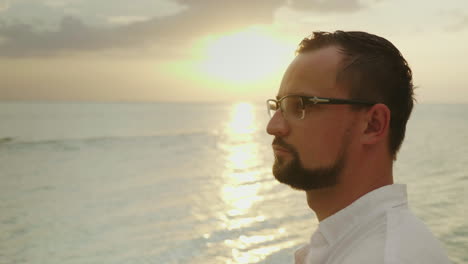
{"points": [[250, 55]]}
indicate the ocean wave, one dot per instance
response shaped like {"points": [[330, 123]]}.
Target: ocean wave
{"points": [[164, 136]]}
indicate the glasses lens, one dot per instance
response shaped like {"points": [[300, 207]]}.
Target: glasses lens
{"points": [[272, 107], [292, 107]]}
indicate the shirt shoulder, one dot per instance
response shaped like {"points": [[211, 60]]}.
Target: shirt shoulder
{"points": [[408, 240], [394, 237], [365, 245]]}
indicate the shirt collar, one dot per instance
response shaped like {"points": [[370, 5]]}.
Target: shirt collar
{"points": [[378, 200]]}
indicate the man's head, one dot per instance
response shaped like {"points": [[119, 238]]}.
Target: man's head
{"points": [[312, 152], [374, 70]]}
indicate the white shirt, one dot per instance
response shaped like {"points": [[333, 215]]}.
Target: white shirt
{"points": [[377, 228]]}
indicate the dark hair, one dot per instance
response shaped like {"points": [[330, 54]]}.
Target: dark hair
{"points": [[373, 70]]}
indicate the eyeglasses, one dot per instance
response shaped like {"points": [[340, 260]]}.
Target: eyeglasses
{"points": [[293, 106]]}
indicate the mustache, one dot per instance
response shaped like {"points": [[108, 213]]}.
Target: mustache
{"points": [[281, 143]]}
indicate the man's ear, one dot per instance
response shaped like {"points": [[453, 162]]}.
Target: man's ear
{"points": [[377, 124]]}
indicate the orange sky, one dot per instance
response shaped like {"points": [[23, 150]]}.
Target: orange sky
{"points": [[209, 50]]}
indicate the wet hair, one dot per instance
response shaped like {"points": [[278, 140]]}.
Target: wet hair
{"points": [[373, 69]]}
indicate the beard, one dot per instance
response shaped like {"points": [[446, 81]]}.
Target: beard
{"points": [[294, 174]]}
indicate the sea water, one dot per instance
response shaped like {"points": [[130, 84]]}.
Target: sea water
{"points": [[189, 183]]}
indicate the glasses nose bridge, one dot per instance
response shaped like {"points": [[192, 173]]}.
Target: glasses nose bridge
{"points": [[278, 125], [277, 105], [272, 105], [290, 110]]}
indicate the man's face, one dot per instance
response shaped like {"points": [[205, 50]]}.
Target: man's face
{"points": [[311, 153]]}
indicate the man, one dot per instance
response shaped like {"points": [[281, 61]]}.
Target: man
{"points": [[343, 106]]}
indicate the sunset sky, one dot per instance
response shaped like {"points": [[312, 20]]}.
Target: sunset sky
{"points": [[210, 50]]}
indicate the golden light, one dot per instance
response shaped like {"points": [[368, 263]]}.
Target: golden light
{"points": [[255, 248], [247, 56], [240, 198], [242, 120], [241, 190]]}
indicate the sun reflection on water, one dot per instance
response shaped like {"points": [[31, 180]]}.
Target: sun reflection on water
{"points": [[242, 120], [241, 189]]}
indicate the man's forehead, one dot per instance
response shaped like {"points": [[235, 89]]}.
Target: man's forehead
{"points": [[312, 73], [311, 93]]}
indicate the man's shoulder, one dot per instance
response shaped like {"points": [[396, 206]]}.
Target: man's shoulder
{"points": [[365, 244], [408, 240], [396, 236]]}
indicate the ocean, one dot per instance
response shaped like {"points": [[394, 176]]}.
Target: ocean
{"points": [[189, 183]]}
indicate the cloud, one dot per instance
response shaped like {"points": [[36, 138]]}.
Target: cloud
{"points": [[4, 5], [126, 20], [462, 24], [196, 19], [22, 40], [56, 3], [326, 5]]}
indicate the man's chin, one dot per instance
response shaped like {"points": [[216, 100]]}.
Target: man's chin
{"points": [[290, 173], [283, 160], [282, 171]]}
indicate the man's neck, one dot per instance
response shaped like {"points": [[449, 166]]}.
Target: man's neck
{"points": [[353, 185]]}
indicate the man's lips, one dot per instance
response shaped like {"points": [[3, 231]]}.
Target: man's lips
{"points": [[278, 149]]}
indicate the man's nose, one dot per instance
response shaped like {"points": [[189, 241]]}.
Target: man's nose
{"points": [[277, 126]]}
